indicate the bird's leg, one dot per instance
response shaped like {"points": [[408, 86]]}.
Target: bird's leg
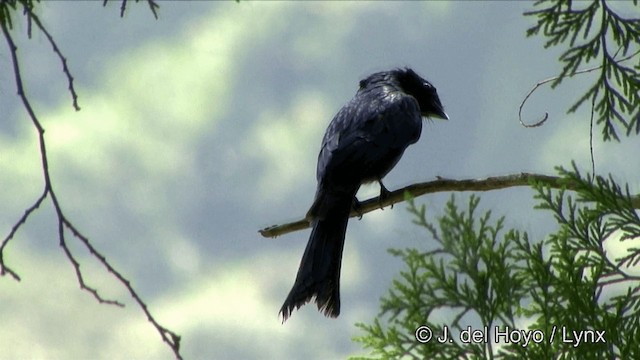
{"points": [[357, 207], [384, 194]]}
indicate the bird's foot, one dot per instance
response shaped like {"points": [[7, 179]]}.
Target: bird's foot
{"points": [[384, 195], [357, 207]]}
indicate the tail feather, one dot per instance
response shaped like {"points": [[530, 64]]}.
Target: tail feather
{"points": [[319, 273]]}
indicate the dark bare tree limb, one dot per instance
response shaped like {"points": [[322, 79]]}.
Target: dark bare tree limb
{"points": [[48, 187], [438, 185], [168, 336]]}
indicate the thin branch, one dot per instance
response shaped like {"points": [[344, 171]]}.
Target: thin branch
{"points": [[153, 6], [65, 69], [622, 278], [62, 223], [593, 160], [546, 81], [439, 185], [4, 269], [171, 338], [18, 78], [48, 188], [123, 7], [168, 336]]}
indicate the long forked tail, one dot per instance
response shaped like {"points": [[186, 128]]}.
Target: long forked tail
{"points": [[319, 273]]}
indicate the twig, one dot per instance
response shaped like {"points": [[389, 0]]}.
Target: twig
{"points": [[65, 69], [168, 336], [593, 100], [439, 185], [546, 114], [621, 277], [153, 6], [62, 223], [546, 81], [4, 269], [123, 7], [593, 159]]}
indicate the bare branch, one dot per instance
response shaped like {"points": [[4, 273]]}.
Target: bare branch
{"points": [[551, 79], [439, 185], [524, 101], [65, 69], [4, 269], [168, 336], [123, 7], [62, 222], [48, 188], [153, 6]]}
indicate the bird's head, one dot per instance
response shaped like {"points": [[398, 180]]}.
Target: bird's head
{"points": [[422, 90]]}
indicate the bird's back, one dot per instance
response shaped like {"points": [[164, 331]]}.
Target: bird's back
{"points": [[368, 136]]}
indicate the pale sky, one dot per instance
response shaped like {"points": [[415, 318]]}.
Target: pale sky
{"points": [[202, 127]]}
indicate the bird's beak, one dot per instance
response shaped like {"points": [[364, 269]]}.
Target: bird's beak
{"points": [[439, 114]]}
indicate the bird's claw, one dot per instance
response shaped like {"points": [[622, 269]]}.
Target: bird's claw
{"points": [[357, 207], [384, 195]]}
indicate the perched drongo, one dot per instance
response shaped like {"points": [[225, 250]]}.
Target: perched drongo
{"points": [[363, 142]]}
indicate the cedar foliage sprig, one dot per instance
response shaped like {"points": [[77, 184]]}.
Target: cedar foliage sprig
{"points": [[481, 274], [594, 32]]}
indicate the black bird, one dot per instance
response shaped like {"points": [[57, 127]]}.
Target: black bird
{"points": [[363, 142]]}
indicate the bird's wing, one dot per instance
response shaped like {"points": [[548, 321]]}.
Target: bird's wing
{"points": [[367, 131]]}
